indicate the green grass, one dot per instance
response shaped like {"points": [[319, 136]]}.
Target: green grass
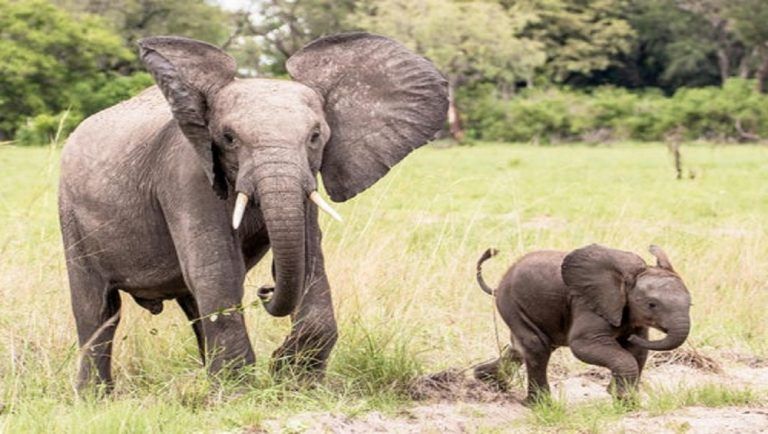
{"points": [[597, 416], [401, 269], [708, 395], [556, 414]]}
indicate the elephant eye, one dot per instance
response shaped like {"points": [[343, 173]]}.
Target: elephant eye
{"points": [[652, 305], [315, 136], [228, 138]]}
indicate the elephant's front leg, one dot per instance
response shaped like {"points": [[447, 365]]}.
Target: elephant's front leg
{"points": [[639, 353], [217, 286], [226, 340], [214, 270], [603, 350], [313, 331]]}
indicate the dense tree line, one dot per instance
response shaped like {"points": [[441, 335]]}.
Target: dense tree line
{"points": [[65, 59]]}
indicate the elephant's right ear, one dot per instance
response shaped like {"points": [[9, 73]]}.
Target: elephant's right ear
{"points": [[662, 260], [190, 73], [601, 277]]}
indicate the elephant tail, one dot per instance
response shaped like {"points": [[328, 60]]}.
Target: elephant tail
{"points": [[486, 255]]}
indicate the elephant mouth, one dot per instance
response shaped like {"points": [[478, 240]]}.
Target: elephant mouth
{"points": [[242, 202]]}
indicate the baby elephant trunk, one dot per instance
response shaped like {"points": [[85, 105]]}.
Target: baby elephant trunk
{"points": [[486, 255], [675, 337]]}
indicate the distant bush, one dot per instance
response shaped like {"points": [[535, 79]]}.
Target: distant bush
{"points": [[735, 112], [46, 51], [96, 96], [44, 128], [89, 97]]}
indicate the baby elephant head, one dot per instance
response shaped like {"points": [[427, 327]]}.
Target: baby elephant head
{"points": [[615, 283]]}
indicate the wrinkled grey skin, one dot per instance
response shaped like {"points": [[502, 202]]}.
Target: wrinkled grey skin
{"points": [[148, 187], [598, 301]]}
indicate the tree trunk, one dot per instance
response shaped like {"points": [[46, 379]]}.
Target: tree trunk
{"points": [[454, 117], [724, 64], [762, 71], [744, 65]]}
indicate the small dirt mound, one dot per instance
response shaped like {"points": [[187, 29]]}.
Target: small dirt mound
{"points": [[686, 357], [454, 385], [749, 360], [596, 374]]}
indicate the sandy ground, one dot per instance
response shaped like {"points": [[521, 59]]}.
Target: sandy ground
{"points": [[459, 404]]}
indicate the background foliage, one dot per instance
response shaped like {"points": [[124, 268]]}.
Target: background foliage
{"points": [[523, 70]]}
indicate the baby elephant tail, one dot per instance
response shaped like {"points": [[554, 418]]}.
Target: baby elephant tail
{"points": [[487, 255]]}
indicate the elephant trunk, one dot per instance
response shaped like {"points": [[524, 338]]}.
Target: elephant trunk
{"points": [[282, 195], [676, 335]]}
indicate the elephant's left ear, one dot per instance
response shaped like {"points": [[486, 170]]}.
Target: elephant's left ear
{"points": [[601, 278], [381, 102]]}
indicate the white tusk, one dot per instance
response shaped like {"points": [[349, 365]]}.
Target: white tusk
{"points": [[323, 205], [237, 214]]}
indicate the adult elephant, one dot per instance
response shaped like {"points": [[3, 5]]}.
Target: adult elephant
{"points": [[148, 187]]}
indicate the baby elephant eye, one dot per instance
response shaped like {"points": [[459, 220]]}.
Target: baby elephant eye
{"points": [[315, 136], [652, 305]]}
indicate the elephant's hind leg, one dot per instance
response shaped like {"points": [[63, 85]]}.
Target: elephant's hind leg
{"points": [[97, 314], [491, 372], [189, 306], [536, 353]]}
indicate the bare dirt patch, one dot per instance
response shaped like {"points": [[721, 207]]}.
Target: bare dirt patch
{"points": [[452, 401], [458, 417], [455, 385], [699, 420]]}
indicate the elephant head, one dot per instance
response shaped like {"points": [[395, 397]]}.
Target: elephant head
{"points": [[614, 283], [357, 105]]}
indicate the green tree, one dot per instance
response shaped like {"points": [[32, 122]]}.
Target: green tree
{"points": [[275, 29], [674, 47], [469, 41], [135, 19], [580, 36], [749, 23], [718, 31], [46, 52]]}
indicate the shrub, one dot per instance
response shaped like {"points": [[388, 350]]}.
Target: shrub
{"points": [[110, 90], [45, 128], [89, 97], [734, 112], [46, 51]]}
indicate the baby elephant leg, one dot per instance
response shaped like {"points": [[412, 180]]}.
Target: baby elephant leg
{"points": [[536, 354], [639, 353], [491, 372], [607, 352]]}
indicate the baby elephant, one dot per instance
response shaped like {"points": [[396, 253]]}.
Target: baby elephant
{"points": [[598, 301]]}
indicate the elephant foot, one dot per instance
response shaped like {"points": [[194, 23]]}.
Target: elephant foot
{"points": [[303, 368], [94, 390], [624, 390], [536, 398], [304, 354], [490, 375]]}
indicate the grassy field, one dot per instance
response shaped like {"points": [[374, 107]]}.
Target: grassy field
{"points": [[401, 268]]}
